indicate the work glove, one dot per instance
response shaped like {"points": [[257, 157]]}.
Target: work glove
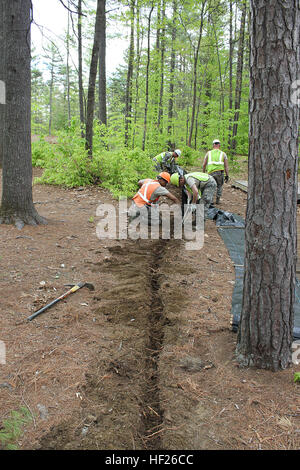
{"points": [[226, 179]]}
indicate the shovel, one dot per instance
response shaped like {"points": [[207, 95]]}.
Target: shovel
{"points": [[74, 288]]}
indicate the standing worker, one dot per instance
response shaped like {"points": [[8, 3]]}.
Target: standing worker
{"points": [[197, 183], [216, 162], [149, 194], [166, 161]]}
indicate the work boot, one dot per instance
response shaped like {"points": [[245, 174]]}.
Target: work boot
{"points": [[218, 200]]}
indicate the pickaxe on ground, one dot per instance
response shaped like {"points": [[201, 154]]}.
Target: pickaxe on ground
{"points": [[74, 288]]}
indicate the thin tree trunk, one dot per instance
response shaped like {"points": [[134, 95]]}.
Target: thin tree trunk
{"points": [[239, 77], [162, 66], [92, 81], [172, 72], [128, 99], [102, 66], [196, 56], [80, 81], [266, 324], [51, 97], [230, 68], [68, 67], [138, 60], [147, 79]]}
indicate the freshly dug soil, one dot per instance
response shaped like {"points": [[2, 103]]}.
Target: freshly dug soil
{"points": [[146, 360]]}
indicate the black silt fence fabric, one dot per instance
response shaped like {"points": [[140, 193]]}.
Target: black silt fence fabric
{"points": [[234, 239]]}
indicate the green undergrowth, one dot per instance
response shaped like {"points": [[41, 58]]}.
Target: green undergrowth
{"points": [[12, 428], [67, 163]]}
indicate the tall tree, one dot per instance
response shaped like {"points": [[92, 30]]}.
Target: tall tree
{"points": [[239, 76], [128, 98], [266, 325], [92, 79], [17, 204], [147, 78], [172, 72], [195, 72], [80, 75], [102, 65]]}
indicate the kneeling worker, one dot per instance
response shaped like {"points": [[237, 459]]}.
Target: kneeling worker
{"points": [[196, 183], [166, 161], [149, 194]]}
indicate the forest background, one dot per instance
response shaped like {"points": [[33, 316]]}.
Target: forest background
{"points": [[184, 81]]}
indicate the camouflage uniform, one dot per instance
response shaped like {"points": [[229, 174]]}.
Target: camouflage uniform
{"points": [[207, 188]]}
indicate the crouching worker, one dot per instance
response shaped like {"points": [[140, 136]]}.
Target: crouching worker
{"points": [[196, 184], [145, 201]]}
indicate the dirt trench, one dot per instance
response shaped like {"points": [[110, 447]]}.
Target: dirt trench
{"points": [[121, 405]]}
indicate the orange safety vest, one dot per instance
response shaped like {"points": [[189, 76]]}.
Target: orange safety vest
{"points": [[143, 196]]}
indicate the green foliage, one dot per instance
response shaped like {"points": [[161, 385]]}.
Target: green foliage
{"points": [[67, 163], [12, 428], [42, 152], [297, 377], [121, 170]]}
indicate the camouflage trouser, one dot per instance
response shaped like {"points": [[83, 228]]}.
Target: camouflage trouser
{"points": [[219, 177], [148, 214], [207, 195], [157, 165]]}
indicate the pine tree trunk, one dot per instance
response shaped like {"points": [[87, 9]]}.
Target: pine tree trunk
{"points": [[92, 81], [147, 80], [266, 325], [128, 102], [230, 67], [17, 205], [172, 73], [162, 66], [80, 80], [195, 79], [239, 76], [102, 66]]}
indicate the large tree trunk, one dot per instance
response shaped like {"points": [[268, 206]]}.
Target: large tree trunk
{"points": [[17, 204], [266, 325]]}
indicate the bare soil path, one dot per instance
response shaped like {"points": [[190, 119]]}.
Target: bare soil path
{"points": [[146, 361]]}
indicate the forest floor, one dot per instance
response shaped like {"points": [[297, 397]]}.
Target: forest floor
{"points": [[146, 360]]}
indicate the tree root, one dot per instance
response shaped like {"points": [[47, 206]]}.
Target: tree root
{"points": [[20, 220]]}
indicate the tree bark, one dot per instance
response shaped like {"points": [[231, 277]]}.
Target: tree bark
{"points": [[172, 72], [239, 77], [147, 80], [162, 65], [266, 324], [195, 75], [17, 204], [128, 103], [80, 80], [92, 81], [102, 66]]}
